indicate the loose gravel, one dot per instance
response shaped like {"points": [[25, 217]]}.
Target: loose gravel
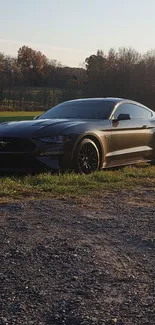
{"points": [[89, 261]]}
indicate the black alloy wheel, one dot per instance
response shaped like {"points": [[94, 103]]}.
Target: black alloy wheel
{"points": [[87, 157]]}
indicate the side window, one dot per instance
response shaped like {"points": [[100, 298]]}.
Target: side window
{"points": [[135, 111]]}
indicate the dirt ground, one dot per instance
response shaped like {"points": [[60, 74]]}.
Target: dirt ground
{"points": [[79, 262]]}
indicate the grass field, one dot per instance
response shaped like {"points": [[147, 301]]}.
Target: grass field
{"points": [[74, 185], [17, 116]]}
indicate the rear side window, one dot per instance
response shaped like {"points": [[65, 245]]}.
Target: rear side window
{"points": [[135, 111]]}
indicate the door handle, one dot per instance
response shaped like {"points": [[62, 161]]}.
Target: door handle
{"points": [[145, 127]]}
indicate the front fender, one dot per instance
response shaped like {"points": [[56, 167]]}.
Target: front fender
{"points": [[90, 135]]}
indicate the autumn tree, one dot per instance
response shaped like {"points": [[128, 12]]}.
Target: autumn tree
{"points": [[6, 70], [112, 74], [148, 78], [32, 64], [96, 71]]}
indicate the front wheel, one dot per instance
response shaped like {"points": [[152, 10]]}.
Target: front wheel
{"points": [[87, 157]]}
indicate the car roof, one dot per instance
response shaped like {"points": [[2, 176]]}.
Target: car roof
{"points": [[114, 100], [104, 99]]}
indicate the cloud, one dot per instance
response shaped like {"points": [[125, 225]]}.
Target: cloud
{"points": [[66, 55], [48, 46]]}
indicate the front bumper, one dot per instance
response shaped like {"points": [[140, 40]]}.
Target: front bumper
{"points": [[15, 162], [47, 157], [29, 163]]}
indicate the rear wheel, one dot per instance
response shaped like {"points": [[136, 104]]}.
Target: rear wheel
{"points": [[87, 157]]}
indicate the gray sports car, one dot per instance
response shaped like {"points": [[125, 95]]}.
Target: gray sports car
{"points": [[85, 135]]}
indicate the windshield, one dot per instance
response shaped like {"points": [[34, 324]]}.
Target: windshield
{"points": [[94, 109]]}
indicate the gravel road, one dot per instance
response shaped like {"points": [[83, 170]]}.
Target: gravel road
{"points": [[89, 261]]}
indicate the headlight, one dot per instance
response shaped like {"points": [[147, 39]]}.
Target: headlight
{"points": [[54, 138]]}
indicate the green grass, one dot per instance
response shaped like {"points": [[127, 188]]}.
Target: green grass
{"points": [[17, 116], [75, 185]]}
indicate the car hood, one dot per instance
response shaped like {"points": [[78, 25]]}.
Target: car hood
{"points": [[36, 128]]}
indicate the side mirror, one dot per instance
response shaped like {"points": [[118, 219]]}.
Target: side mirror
{"points": [[123, 117]]}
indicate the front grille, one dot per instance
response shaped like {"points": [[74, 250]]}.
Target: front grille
{"points": [[8, 144]]}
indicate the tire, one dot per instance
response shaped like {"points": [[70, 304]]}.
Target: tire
{"points": [[87, 157]]}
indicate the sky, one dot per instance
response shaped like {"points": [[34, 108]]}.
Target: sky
{"points": [[71, 30]]}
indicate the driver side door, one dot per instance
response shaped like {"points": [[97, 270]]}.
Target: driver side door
{"points": [[131, 137]]}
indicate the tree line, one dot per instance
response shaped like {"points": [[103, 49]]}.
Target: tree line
{"points": [[31, 80]]}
